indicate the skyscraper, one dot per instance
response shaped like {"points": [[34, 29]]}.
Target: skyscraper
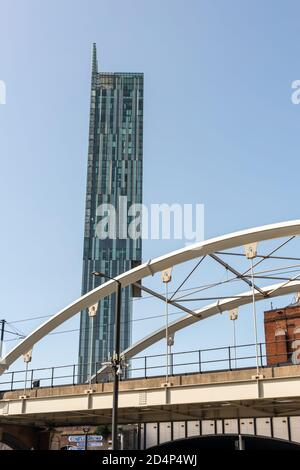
{"points": [[114, 176]]}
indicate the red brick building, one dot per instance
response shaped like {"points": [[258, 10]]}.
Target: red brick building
{"points": [[282, 334]]}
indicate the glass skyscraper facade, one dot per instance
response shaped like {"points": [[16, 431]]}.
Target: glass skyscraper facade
{"points": [[114, 175]]}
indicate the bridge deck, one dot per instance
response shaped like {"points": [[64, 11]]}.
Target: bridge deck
{"points": [[226, 394]]}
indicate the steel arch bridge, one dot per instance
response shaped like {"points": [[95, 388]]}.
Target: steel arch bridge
{"points": [[206, 248]]}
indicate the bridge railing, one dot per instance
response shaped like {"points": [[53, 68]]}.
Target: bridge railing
{"points": [[198, 361], [183, 362]]}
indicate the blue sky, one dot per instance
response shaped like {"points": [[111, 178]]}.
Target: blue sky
{"points": [[220, 129]]}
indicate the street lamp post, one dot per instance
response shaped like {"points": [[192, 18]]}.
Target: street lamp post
{"points": [[115, 362], [86, 430]]}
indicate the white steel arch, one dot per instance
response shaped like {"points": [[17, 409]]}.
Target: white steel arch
{"points": [[274, 290], [266, 232]]}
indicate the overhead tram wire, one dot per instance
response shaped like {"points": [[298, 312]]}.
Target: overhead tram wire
{"points": [[15, 329], [13, 333], [42, 317], [195, 289], [287, 258], [187, 277], [268, 256], [130, 321], [271, 253], [202, 287], [138, 319], [85, 329], [235, 279]]}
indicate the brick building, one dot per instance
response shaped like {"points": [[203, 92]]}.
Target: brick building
{"points": [[282, 334]]}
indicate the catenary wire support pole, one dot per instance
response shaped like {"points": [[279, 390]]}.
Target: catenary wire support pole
{"points": [[255, 321], [92, 311], [27, 358], [233, 315], [251, 252], [166, 276], [116, 360], [167, 334], [2, 337]]}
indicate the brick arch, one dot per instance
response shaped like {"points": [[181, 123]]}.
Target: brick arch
{"points": [[11, 441], [21, 437]]}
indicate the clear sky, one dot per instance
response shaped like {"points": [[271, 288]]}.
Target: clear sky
{"points": [[220, 129]]}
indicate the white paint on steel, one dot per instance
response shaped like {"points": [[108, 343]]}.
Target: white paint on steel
{"points": [[266, 232], [232, 390], [205, 312]]}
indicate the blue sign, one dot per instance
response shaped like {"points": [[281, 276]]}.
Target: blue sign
{"points": [[95, 444], [81, 445], [81, 439], [76, 438], [95, 438]]}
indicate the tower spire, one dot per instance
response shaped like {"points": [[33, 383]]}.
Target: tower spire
{"points": [[94, 63], [94, 58]]}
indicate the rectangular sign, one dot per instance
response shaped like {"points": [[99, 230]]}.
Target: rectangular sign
{"points": [[81, 445], [90, 438], [76, 438], [95, 438], [80, 439], [95, 444]]}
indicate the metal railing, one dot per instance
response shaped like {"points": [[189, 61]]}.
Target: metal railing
{"points": [[184, 362]]}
